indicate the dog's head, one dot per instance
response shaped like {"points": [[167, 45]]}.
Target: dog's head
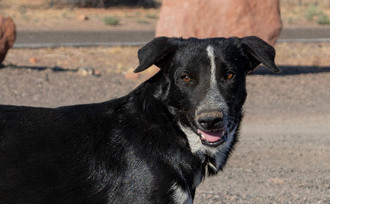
{"points": [[207, 84]]}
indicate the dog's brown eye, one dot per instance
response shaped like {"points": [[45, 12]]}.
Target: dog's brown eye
{"points": [[186, 78], [229, 75]]}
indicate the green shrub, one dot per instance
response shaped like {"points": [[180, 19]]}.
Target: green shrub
{"points": [[311, 12], [111, 20], [323, 19]]}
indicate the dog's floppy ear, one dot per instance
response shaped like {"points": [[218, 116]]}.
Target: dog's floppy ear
{"points": [[154, 53], [259, 52]]}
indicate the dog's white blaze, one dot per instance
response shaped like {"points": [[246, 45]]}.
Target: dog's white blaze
{"points": [[180, 195], [213, 76], [213, 96]]}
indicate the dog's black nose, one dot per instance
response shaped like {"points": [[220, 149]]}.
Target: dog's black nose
{"points": [[210, 120]]}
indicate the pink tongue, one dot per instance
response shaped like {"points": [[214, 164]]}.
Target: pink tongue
{"points": [[212, 136]]}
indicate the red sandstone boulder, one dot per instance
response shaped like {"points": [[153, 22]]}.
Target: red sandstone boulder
{"points": [[220, 18], [7, 35]]}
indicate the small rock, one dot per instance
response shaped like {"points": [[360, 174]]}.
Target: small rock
{"points": [[33, 60], [85, 71], [276, 181], [82, 17], [97, 73]]}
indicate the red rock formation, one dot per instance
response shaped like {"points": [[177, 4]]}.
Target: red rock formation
{"points": [[220, 18], [7, 35]]}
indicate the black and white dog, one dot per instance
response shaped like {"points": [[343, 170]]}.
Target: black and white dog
{"points": [[154, 145]]}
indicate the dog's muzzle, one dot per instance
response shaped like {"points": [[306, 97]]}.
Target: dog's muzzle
{"points": [[211, 127]]}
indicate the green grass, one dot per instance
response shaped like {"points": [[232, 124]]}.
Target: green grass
{"points": [[111, 20]]}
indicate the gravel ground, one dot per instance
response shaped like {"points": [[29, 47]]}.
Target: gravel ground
{"points": [[283, 153]]}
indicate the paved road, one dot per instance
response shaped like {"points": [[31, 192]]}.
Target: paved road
{"points": [[110, 38], [305, 34]]}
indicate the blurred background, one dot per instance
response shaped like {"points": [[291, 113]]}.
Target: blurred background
{"points": [[64, 52], [119, 25]]}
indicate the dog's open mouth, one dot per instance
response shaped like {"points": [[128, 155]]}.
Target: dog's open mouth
{"points": [[212, 138]]}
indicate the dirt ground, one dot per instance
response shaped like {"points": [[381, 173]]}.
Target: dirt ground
{"points": [[283, 152]]}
